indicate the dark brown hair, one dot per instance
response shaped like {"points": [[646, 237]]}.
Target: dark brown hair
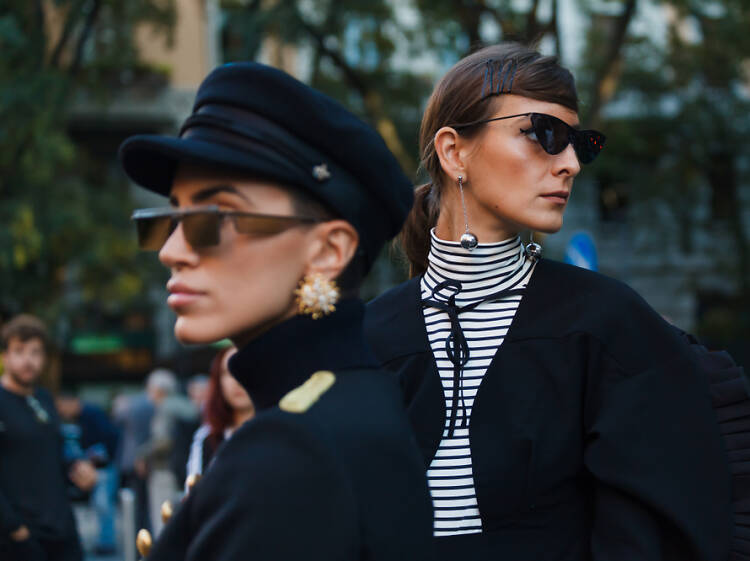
{"points": [[457, 99], [23, 327], [305, 204]]}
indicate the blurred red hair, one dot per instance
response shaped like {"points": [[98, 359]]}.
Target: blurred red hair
{"points": [[218, 413]]}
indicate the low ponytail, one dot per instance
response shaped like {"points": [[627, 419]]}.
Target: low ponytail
{"points": [[415, 235]]}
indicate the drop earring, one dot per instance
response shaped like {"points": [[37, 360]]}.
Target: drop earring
{"points": [[533, 249], [468, 240]]}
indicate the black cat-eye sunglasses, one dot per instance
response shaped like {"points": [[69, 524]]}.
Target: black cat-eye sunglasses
{"points": [[554, 135]]}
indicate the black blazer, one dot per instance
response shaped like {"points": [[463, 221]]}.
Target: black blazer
{"points": [[339, 481], [592, 434]]}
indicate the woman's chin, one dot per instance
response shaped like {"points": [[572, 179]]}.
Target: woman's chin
{"points": [[551, 226], [549, 229], [192, 332]]}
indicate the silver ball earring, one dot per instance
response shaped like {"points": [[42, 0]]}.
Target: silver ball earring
{"points": [[533, 249], [468, 240]]}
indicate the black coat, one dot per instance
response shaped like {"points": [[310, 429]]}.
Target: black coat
{"points": [[592, 434], [342, 480], [33, 472]]}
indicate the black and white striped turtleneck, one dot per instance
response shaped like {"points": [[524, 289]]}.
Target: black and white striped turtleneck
{"points": [[471, 276]]}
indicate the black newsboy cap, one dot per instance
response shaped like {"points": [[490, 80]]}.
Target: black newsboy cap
{"points": [[255, 119]]}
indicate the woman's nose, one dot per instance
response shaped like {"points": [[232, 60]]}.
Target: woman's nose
{"points": [[177, 252], [567, 162]]}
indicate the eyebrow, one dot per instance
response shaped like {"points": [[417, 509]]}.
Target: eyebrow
{"points": [[208, 192]]}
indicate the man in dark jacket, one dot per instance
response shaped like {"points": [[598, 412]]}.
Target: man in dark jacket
{"points": [[36, 520]]}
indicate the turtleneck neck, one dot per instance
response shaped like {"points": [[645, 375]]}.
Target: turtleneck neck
{"points": [[282, 358], [486, 269]]}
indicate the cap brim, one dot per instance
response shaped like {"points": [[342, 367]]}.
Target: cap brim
{"points": [[151, 161]]}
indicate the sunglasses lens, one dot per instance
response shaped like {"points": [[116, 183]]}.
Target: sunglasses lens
{"points": [[553, 134], [202, 229], [153, 232], [261, 225], [588, 144]]}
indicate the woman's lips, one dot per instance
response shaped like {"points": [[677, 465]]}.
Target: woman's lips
{"points": [[181, 295], [558, 197], [180, 299]]}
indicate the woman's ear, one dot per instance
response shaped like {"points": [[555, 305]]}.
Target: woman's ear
{"points": [[449, 148], [336, 242]]}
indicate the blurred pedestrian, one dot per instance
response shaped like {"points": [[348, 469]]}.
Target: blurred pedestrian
{"points": [[197, 390], [92, 436], [227, 407], [133, 415], [279, 194], [154, 456], [36, 519], [185, 427]]}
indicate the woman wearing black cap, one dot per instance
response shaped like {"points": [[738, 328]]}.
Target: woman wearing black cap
{"points": [[558, 415], [269, 212]]}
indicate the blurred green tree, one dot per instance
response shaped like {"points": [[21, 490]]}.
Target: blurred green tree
{"points": [[678, 120], [62, 223]]}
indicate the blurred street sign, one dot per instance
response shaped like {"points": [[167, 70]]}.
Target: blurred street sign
{"points": [[95, 344], [581, 251]]}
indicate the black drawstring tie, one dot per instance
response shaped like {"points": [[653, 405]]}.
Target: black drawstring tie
{"points": [[456, 345]]}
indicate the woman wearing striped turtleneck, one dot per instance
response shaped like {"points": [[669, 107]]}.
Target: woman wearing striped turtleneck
{"points": [[558, 416], [471, 277]]}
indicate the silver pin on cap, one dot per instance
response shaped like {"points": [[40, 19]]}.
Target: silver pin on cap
{"points": [[321, 173]]}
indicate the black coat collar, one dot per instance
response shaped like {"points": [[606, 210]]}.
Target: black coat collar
{"points": [[284, 357], [552, 295]]}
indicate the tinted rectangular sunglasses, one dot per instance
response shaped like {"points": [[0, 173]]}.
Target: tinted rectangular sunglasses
{"points": [[202, 225], [554, 135]]}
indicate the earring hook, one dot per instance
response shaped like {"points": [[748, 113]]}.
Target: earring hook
{"points": [[468, 240]]}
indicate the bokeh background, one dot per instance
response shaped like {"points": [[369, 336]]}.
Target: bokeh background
{"points": [[666, 205]]}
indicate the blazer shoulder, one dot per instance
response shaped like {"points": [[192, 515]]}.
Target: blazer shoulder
{"points": [[363, 400], [382, 308], [573, 289], [359, 415], [273, 433], [394, 324], [578, 280], [575, 300]]}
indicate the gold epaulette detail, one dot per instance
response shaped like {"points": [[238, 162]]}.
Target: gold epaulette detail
{"points": [[301, 398]]}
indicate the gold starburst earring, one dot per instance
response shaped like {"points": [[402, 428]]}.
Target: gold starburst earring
{"points": [[316, 296]]}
